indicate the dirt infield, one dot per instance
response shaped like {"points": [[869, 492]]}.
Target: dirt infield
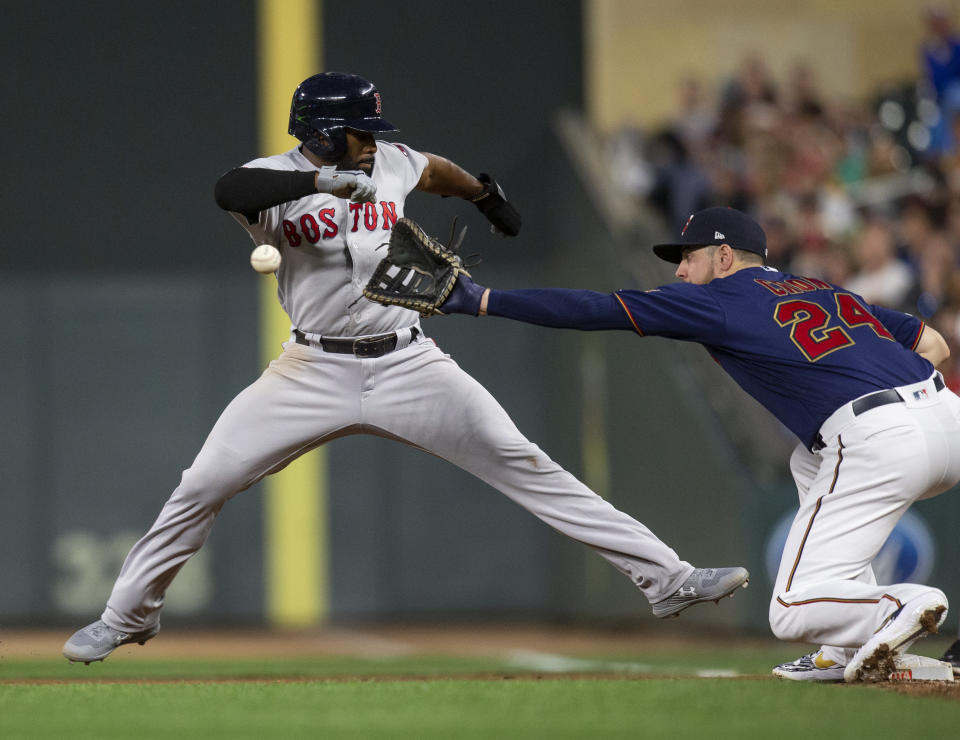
{"points": [[471, 641], [403, 641]]}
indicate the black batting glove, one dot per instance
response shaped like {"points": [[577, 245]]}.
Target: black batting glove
{"points": [[503, 217]]}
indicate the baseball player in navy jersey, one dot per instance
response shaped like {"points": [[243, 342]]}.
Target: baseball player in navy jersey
{"points": [[855, 383], [352, 366]]}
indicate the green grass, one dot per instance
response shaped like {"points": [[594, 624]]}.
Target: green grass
{"points": [[666, 708], [626, 696]]}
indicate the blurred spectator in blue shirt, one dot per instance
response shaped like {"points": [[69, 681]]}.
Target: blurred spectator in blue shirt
{"points": [[940, 54]]}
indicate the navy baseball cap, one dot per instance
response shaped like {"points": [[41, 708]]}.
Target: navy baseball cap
{"points": [[718, 225]]}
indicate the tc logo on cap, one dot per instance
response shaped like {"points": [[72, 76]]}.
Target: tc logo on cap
{"points": [[714, 226]]}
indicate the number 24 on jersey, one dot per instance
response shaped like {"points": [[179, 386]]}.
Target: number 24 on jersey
{"points": [[814, 331]]}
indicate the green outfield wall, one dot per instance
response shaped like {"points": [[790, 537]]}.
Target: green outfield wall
{"points": [[129, 319]]}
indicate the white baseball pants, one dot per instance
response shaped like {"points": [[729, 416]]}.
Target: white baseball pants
{"points": [[852, 494], [417, 395]]}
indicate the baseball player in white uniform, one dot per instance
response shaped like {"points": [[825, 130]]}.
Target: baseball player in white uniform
{"points": [[355, 367]]}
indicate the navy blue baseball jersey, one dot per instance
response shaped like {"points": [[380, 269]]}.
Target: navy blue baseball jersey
{"points": [[802, 347]]}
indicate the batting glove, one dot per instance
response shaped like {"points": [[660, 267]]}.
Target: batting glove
{"points": [[353, 184]]}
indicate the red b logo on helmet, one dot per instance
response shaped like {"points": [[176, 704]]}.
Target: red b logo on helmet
{"points": [[376, 96]]}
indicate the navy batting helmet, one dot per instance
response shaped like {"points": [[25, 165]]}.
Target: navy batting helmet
{"points": [[327, 104]]}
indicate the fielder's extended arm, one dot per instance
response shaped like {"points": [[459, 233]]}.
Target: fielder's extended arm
{"points": [[559, 308]]}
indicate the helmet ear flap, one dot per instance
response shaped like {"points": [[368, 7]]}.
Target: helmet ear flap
{"points": [[327, 143]]}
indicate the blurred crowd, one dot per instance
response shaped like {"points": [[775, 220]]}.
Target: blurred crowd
{"points": [[863, 194]]}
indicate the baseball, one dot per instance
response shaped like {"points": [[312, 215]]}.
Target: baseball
{"points": [[265, 259]]}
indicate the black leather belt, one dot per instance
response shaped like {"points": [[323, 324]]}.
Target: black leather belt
{"points": [[362, 347], [882, 398], [872, 401]]}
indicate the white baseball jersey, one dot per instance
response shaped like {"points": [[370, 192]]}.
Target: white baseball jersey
{"points": [[330, 246]]}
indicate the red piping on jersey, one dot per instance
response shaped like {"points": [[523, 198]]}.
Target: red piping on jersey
{"points": [[834, 600], [916, 340], [836, 470], [803, 542], [629, 315]]}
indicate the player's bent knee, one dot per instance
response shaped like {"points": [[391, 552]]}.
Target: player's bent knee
{"points": [[785, 632], [785, 625]]}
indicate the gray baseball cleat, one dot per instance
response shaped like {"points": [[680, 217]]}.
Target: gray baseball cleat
{"points": [[877, 659], [97, 640], [704, 584]]}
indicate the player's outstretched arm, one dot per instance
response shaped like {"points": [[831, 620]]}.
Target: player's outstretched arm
{"points": [[559, 308], [443, 177]]}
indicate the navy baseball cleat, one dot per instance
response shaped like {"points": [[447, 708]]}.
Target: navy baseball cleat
{"points": [[704, 584], [876, 660], [812, 667], [96, 641], [952, 656]]}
